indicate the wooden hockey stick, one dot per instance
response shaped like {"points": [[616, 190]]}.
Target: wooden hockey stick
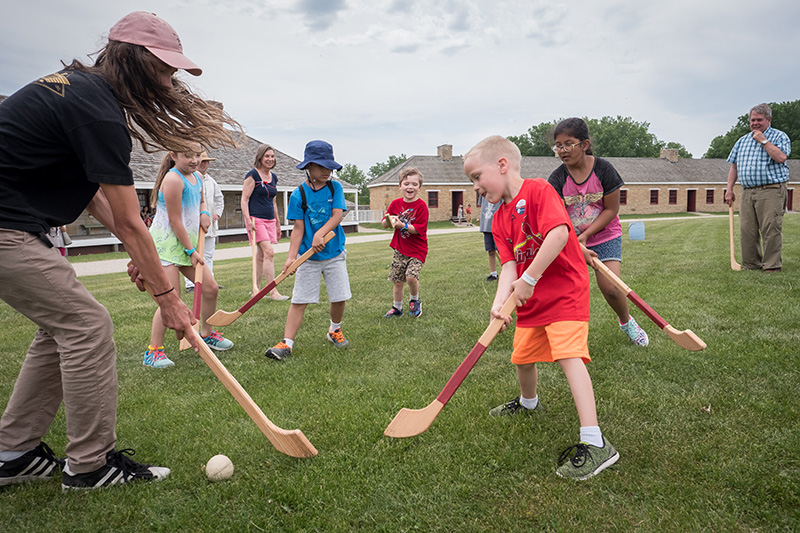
{"points": [[411, 422], [685, 339], [254, 250], [734, 264], [223, 318], [290, 442], [198, 286]]}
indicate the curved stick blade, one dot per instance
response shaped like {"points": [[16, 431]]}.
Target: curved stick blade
{"points": [[412, 422], [223, 318], [685, 339]]}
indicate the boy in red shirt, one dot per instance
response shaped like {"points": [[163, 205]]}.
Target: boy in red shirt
{"points": [[408, 215], [537, 246]]}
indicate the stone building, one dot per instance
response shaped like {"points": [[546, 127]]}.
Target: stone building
{"points": [[652, 185]]}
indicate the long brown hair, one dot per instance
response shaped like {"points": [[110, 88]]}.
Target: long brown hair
{"points": [[159, 117], [166, 163]]}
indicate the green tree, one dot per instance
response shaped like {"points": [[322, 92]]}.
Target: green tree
{"points": [[623, 137], [354, 176], [537, 141], [381, 168], [611, 137], [785, 117]]}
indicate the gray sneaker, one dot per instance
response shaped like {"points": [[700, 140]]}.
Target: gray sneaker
{"points": [[337, 338], [583, 461], [511, 408], [279, 352]]}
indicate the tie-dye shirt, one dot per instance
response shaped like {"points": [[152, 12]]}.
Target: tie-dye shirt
{"points": [[584, 201], [168, 246]]}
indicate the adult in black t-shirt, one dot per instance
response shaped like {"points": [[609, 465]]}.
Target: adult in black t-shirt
{"points": [[65, 144]]}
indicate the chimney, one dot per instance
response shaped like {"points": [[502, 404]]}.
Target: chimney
{"points": [[670, 154], [445, 151]]}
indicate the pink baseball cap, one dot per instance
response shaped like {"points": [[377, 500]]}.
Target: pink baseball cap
{"points": [[155, 34]]}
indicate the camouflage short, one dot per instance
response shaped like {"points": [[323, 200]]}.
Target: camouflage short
{"points": [[404, 267]]}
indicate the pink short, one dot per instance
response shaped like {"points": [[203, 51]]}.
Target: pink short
{"points": [[266, 230]]}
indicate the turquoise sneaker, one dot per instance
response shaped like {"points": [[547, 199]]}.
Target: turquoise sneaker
{"points": [[218, 342], [156, 358], [635, 332], [583, 461]]}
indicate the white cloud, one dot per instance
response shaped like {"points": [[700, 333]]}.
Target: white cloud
{"points": [[381, 77]]}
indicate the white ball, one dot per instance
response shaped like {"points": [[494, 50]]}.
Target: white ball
{"points": [[219, 468]]}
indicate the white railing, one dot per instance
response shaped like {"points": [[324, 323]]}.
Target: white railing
{"points": [[363, 215]]}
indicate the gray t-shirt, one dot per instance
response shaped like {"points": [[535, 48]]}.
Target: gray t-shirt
{"points": [[487, 212]]}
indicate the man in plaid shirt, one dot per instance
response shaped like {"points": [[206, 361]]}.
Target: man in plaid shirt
{"points": [[758, 160]]}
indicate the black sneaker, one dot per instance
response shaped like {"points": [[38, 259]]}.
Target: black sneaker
{"points": [[190, 289], [491, 277], [393, 312], [37, 464], [119, 469]]}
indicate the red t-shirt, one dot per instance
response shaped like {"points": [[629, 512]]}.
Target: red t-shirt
{"points": [[519, 228], [416, 213]]}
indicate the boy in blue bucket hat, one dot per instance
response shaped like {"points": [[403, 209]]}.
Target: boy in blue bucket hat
{"points": [[316, 207]]}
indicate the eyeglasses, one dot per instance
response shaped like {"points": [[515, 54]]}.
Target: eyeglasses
{"points": [[566, 148]]}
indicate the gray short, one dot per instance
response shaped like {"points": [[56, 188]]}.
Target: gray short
{"points": [[307, 280], [488, 242], [609, 250]]}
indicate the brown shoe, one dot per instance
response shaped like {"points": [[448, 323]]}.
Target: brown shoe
{"points": [[772, 270]]}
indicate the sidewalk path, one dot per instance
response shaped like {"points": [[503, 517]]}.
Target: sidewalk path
{"points": [[115, 266]]}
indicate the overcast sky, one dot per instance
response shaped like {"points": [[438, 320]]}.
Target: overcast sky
{"points": [[383, 77]]}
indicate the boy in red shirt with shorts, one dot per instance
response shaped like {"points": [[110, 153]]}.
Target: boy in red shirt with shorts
{"points": [[408, 215], [538, 249]]}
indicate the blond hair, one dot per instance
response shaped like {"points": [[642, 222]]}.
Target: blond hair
{"points": [[410, 171], [167, 163], [493, 148]]}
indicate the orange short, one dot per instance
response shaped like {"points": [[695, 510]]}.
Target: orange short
{"points": [[546, 344]]}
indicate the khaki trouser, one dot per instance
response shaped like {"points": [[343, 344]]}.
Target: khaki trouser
{"points": [[761, 222], [72, 357]]}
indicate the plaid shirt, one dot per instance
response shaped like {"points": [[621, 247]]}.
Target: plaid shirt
{"points": [[754, 166]]}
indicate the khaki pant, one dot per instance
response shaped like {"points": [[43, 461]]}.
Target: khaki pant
{"points": [[761, 223], [72, 357]]}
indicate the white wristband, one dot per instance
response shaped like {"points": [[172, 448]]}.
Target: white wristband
{"points": [[529, 280]]}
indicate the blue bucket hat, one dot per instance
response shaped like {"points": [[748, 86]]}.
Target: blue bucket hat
{"points": [[321, 153]]}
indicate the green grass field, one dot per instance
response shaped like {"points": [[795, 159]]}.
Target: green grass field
{"points": [[708, 440]]}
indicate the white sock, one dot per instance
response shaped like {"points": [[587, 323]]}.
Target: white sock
{"points": [[529, 403], [493, 273], [10, 456], [334, 326], [289, 343], [413, 297], [398, 305], [592, 435]]}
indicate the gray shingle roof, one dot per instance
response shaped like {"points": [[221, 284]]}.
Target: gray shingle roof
{"points": [[230, 167], [632, 169]]}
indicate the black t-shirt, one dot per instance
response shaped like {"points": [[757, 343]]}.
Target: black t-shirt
{"points": [[60, 137]]}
